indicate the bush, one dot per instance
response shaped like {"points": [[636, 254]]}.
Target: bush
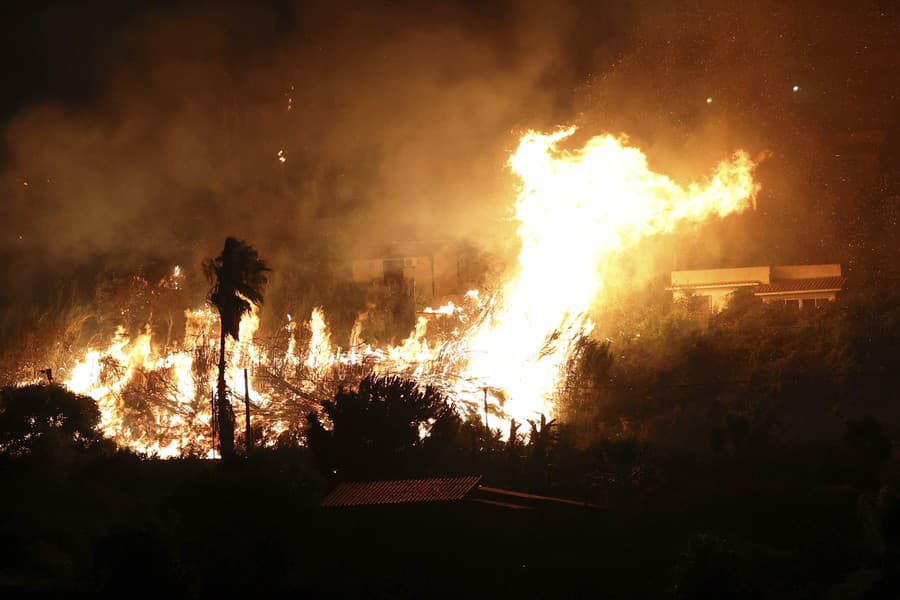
{"points": [[378, 429], [41, 418]]}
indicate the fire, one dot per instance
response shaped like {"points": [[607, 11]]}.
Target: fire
{"points": [[576, 209], [320, 354], [447, 309]]}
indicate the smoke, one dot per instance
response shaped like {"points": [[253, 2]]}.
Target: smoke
{"points": [[392, 125], [787, 82], [166, 129]]}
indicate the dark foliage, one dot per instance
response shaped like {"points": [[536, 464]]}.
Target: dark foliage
{"points": [[866, 437], [238, 276], [586, 387], [124, 557], [709, 568], [95, 527], [377, 429], [542, 442], [869, 448], [753, 374], [36, 418]]}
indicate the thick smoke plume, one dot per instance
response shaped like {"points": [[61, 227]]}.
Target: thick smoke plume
{"points": [[162, 129]]}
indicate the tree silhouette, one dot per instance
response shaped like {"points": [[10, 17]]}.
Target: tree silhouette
{"points": [[380, 428], [238, 277], [36, 417], [587, 379], [541, 441]]}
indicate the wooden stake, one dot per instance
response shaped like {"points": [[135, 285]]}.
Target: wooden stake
{"points": [[249, 439]]}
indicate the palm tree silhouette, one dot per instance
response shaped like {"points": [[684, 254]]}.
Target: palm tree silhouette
{"points": [[238, 277]]}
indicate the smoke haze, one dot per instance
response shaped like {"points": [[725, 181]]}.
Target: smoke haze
{"points": [[144, 135]]}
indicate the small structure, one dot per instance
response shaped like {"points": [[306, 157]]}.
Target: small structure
{"points": [[798, 285], [439, 490], [401, 491], [428, 271]]}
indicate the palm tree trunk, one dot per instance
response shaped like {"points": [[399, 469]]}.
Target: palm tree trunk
{"points": [[226, 422]]}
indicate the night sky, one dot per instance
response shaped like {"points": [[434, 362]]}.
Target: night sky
{"points": [[137, 133]]}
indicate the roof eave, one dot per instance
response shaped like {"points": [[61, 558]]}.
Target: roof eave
{"points": [[798, 292], [712, 286]]}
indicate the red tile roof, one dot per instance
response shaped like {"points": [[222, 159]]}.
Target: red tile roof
{"points": [[817, 284], [360, 493]]}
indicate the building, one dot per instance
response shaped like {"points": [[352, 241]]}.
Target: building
{"points": [[430, 272], [799, 285]]}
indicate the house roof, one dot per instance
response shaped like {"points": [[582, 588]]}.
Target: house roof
{"points": [[789, 286], [713, 284], [364, 493]]}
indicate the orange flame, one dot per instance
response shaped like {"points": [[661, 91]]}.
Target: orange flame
{"points": [[575, 208]]}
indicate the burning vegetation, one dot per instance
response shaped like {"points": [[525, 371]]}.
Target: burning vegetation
{"points": [[446, 301], [502, 353]]}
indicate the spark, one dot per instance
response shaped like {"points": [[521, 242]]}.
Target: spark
{"points": [[796, 88], [709, 99], [281, 157]]}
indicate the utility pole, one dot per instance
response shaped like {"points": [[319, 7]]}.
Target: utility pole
{"points": [[249, 439], [214, 417]]}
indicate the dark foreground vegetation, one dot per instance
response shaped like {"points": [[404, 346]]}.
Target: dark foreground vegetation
{"points": [[788, 524], [752, 456]]}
